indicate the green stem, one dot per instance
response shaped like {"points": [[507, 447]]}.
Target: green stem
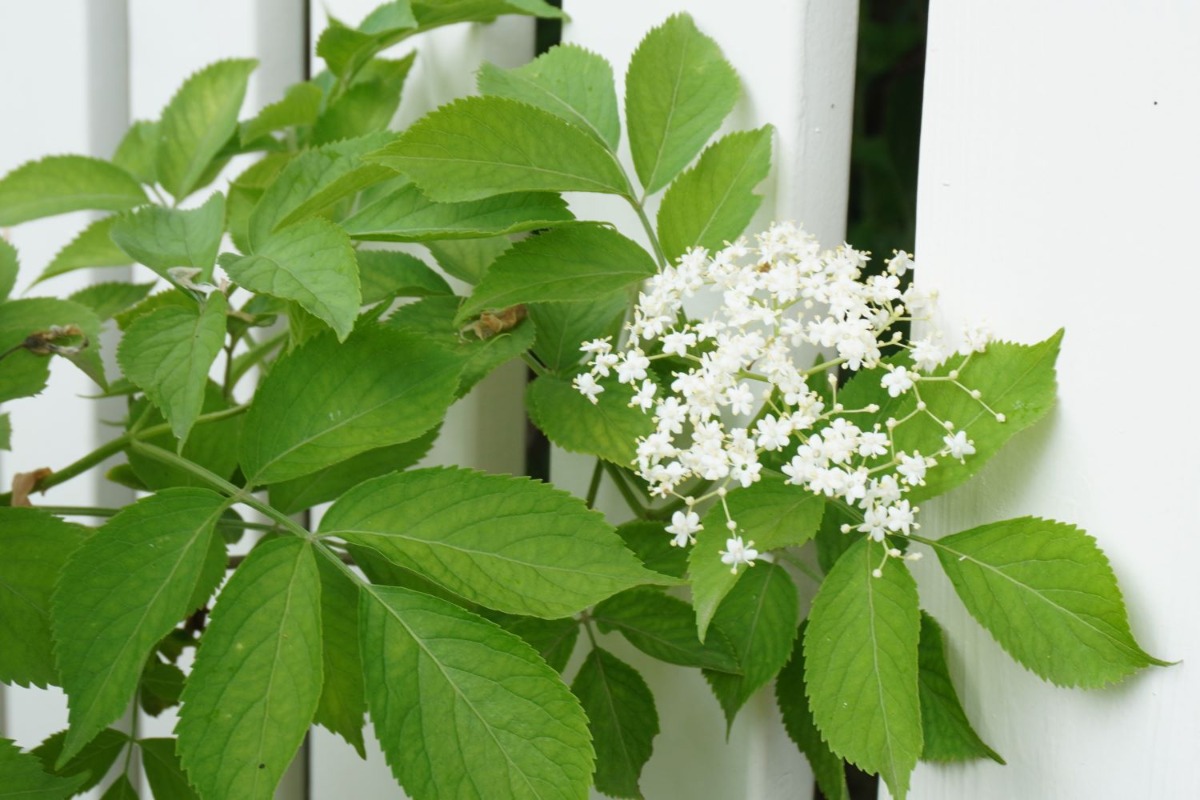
{"points": [[238, 495], [650, 233], [115, 446], [538, 368], [619, 480], [594, 486]]}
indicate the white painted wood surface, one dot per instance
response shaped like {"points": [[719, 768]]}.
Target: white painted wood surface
{"points": [[1058, 187]]}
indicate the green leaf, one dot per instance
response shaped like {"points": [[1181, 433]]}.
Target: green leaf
{"points": [[137, 152], [163, 770], [553, 639], [8, 268], [367, 106], [326, 402], [563, 327], [678, 89], [477, 147], [199, 120], [515, 731], [468, 259], [609, 429], [168, 353], [407, 216], [1015, 380], [759, 616], [92, 763], [162, 238], [387, 273], [512, 544], [124, 589], [651, 543], [258, 675], [948, 733], [91, 248], [714, 201], [300, 105], [770, 513], [622, 720], [346, 50], [860, 653], [569, 82], [21, 776], [311, 262], [574, 262], [312, 183], [246, 192], [5, 432], [330, 483], [107, 299], [343, 702], [663, 627], [432, 13], [58, 184], [432, 319], [162, 683], [828, 769], [1047, 594], [24, 373], [33, 548]]}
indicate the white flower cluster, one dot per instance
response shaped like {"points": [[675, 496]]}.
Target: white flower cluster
{"points": [[780, 297]]}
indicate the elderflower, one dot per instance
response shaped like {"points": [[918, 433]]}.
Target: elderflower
{"points": [[739, 392]]}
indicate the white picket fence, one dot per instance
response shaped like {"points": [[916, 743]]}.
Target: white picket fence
{"points": [[1058, 170]]}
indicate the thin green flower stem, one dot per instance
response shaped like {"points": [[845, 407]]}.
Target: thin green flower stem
{"points": [[236, 494], [626, 493], [594, 486], [111, 448], [639, 207], [586, 620], [538, 368]]}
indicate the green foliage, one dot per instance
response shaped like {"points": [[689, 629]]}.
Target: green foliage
{"points": [[163, 770], [258, 675], [569, 263], [93, 247], [168, 352], [310, 262], [299, 106], [406, 215], [24, 372], [759, 615], [860, 657], [663, 627], [21, 776], [162, 238], [427, 661], [34, 546], [8, 269], [510, 544], [713, 202], [199, 120], [124, 589], [678, 90], [567, 81], [468, 260], [137, 152], [608, 429], [451, 157], [327, 402], [1047, 594], [622, 720], [770, 513], [92, 763], [58, 184], [828, 769], [948, 733], [388, 273], [343, 701], [561, 327], [108, 299]]}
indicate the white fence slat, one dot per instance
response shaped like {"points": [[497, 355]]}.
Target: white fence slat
{"points": [[796, 63], [1058, 168]]}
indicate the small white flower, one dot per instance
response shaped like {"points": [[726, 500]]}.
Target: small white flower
{"points": [[912, 468], [632, 367], [738, 552], [976, 338], [597, 346], [898, 381], [587, 386], [959, 445], [643, 398], [684, 526], [927, 354]]}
